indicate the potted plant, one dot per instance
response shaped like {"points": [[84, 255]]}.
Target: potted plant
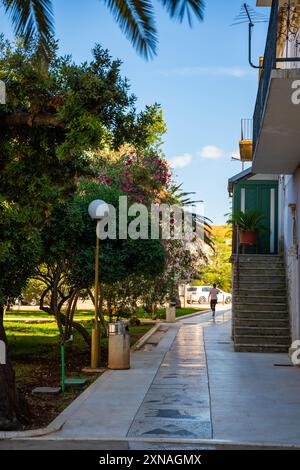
{"points": [[249, 224]]}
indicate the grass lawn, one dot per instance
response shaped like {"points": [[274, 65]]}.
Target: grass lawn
{"points": [[88, 315], [35, 353], [161, 312], [80, 315]]}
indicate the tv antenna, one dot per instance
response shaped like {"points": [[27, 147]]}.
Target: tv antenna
{"points": [[249, 15]]}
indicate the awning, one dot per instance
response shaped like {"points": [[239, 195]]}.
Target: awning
{"points": [[243, 175]]}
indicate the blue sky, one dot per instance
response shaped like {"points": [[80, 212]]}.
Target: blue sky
{"points": [[201, 78]]}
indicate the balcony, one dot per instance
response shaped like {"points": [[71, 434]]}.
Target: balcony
{"points": [[276, 120]]}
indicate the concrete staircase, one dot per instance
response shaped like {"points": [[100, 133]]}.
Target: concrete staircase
{"points": [[259, 307]]}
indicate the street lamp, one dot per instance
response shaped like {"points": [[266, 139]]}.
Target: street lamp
{"points": [[97, 209]]}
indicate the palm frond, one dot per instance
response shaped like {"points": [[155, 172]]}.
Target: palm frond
{"points": [[178, 9], [136, 20], [32, 18]]}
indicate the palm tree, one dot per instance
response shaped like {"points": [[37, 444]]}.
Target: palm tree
{"points": [[136, 19], [31, 18]]}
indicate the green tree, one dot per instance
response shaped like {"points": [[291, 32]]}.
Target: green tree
{"points": [[136, 18], [68, 258], [218, 268], [56, 114]]}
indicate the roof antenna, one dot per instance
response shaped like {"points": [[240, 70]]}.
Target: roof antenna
{"points": [[249, 15]]}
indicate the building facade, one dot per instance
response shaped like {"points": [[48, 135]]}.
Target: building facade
{"points": [[275, 170]]}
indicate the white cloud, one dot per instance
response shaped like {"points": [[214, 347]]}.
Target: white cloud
{"points": [[212, 152], [215, 71], [180, 161]]}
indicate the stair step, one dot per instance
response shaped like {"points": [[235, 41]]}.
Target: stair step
{"points": [[258, 269], [260, 292], [261, 348], [262, 322], [255, 284], [257, 307], [262, 331], [254, 299], [261, 279], [266, 272], [258, 257], [267, 314], [259, 262], [262, 339]]}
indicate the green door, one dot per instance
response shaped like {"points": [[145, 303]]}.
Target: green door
{"points": [[261, 195]]}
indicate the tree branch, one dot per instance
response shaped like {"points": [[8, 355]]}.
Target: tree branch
{"points": [[18, 119]]}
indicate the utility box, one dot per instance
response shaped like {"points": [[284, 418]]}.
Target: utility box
{"points": [[119, 346]]}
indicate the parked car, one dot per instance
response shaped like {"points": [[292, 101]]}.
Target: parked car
{"points": [[225, 297], [199, 295]]}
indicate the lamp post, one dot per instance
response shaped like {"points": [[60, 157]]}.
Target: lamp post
{"points": [[2, 92], [97, 209]]}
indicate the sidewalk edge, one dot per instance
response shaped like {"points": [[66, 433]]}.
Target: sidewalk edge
{"points": [[33, 433], [143, 340]]}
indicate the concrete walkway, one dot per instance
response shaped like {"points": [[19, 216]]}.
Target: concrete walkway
{"points": [[254, 397], [190, 386]]}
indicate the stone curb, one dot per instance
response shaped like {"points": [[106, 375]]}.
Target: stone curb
{"points": [[182, 442], [6, 435], [143, 340], [191, 315]]}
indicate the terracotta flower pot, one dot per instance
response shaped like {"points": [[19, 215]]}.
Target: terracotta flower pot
{"points": [[248, 238]]}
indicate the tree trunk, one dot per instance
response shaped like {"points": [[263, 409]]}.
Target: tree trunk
{"points": [[13, 409], [78, 327], [154, 312], [100, 307], [177, 299], [18, 119], [60, 317]]}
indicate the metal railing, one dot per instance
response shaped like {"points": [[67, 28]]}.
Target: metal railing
{"points": [[268, 65], [246, 129]]}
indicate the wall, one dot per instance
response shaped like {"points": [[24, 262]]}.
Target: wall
{"points": [[290, 234]]}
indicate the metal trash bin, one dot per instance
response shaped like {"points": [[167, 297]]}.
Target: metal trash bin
{"points": [[118, 346]]}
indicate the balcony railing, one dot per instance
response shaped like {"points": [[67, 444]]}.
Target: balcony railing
{"points": [[281, 25], [268, 65], [246, 140]]}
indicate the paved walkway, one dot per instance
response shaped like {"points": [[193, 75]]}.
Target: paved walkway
{"points": [[254, 397], [177, 402], [191, 385]]}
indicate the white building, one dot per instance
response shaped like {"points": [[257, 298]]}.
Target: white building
{"points": [[276, 134]]}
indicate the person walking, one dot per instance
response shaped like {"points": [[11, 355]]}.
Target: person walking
{"points": [[213, 297]]}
